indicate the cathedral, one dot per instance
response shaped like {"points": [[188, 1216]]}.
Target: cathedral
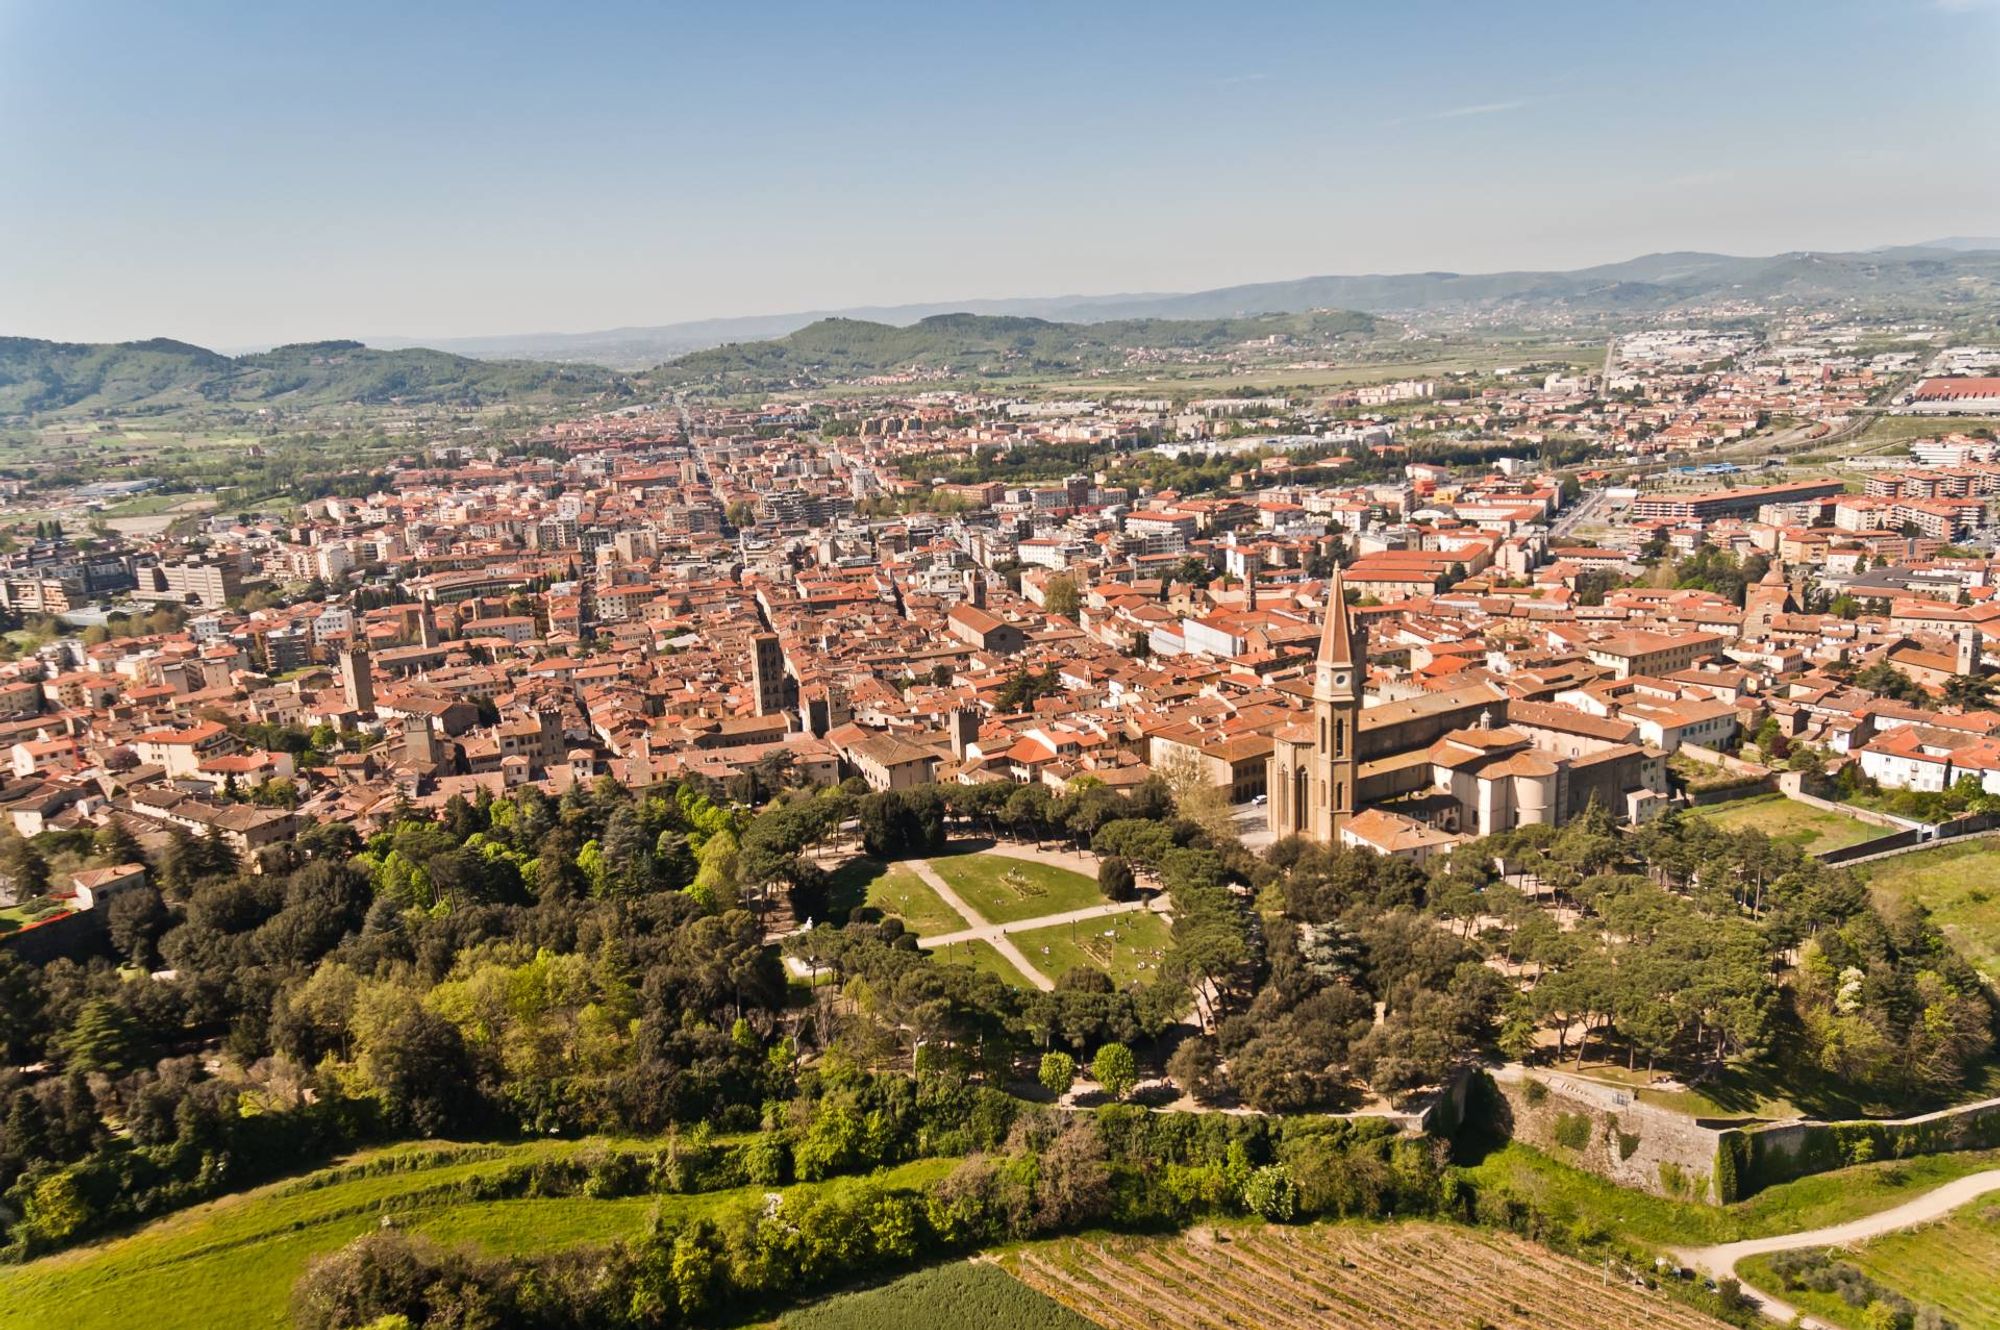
{"points": [[1411, 776]]}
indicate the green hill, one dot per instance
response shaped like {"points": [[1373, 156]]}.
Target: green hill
{"points": [[990, 346], [40, 376]]}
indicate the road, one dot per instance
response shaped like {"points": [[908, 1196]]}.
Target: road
{"points": [[1720, 1261], [1589, 508]]}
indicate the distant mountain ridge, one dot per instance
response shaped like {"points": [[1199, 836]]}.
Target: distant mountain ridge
{"points": [[37, 376], [990, 345], [1938, 275]]}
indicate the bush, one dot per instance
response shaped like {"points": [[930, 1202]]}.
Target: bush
{"points": [[1057, 1073], [1572, 1130], [768, 1161], [1270, 1194], [381, 1275], [1115, 1069], [1535, 1092]]}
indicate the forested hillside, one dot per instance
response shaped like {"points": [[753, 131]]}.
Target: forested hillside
{"points": [[983, 345], [39, 376]]}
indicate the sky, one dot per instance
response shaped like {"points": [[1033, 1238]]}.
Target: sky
{"points": [[241, 174]]}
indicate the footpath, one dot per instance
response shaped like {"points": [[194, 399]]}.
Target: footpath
{"points": [[1720, 1261]]}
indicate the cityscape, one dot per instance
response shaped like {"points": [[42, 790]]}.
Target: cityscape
{"points": [[1412, 797]]}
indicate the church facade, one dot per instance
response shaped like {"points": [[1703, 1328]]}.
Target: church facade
{"points": [[1465, 762]]}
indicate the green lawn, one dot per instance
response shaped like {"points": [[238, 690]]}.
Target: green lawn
{"points": [[1811, 829], [1961, 886], [1953, 1265], [1570, 1194], [970, 1295], [893, 889], [20, 916], [903, 894], [1132, 952], [982, 956], [1884, 431], [248, 1249], [1008, 890]]}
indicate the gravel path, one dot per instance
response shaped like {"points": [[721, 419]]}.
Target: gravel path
{"points": [[1720, 1261], [985, 932]]}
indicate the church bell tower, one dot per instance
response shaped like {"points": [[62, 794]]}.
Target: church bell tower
{"points": [[1337, 692]]}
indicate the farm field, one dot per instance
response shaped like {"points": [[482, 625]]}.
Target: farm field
{"points": [[1131, 952], [1811, 829], [1340, 1277], [982, 956], [1959, 884], [972, 1295], [257, 1243], [1949, 1265], [1007, 890]]}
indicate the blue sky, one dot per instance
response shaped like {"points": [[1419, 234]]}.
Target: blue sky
{"points": [[244, 173]]}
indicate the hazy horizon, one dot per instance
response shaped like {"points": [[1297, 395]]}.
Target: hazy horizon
{"points": [[241, 176]]}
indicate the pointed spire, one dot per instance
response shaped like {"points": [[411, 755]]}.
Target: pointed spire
{"points": [[1336, 640]]}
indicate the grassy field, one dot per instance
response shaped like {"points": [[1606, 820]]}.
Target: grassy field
{"points": [[251, 1247], [1811, 829], [1340, 1277], [1006, 890], [896, 890], [971, 1295], [1959, 884], [1885, 431], [1953, 1265], [1128, 947], [1813, 1202], [982, 956]]}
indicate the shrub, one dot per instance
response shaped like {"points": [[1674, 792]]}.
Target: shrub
{"points": [[1536, 1092], [1116, 880], [1115, 1070], [768, 1161], [1270, 1194], [1572, 1130], [1057, 1073]]}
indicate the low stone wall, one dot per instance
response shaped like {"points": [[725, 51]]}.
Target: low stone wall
{"points": [[1606, 1130], [1759, 1157], [1609, 1132], [1868, 815], [72, 936], [1714, 758], [1751, 788]]}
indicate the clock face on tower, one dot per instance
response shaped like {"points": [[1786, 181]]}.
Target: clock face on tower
{"points": [[1340, 680]]}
